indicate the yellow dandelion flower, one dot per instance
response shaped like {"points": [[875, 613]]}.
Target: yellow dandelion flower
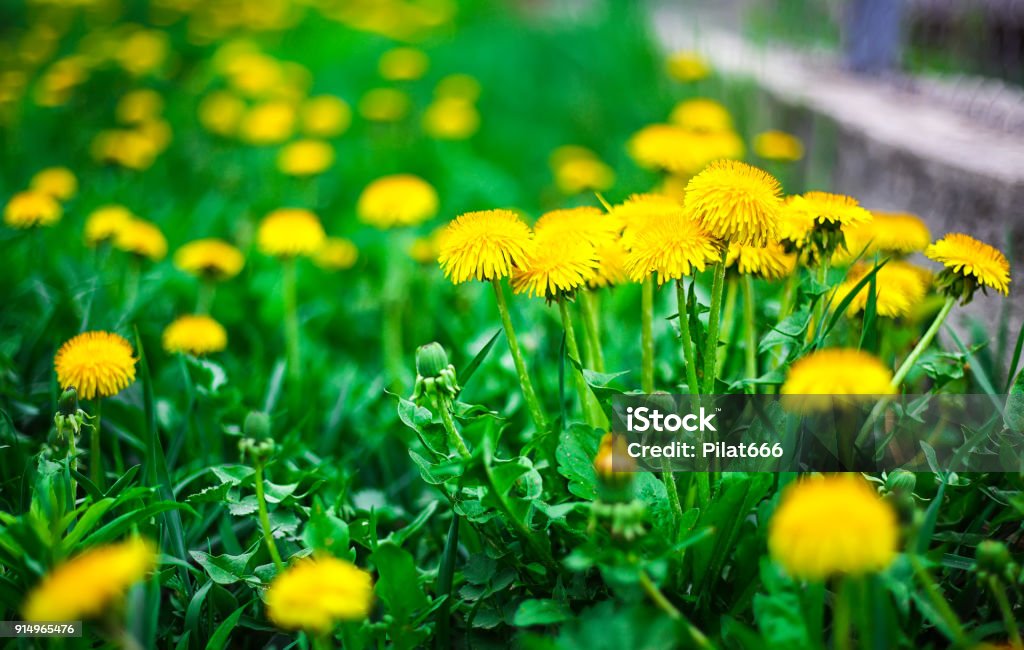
{"points": [[611, 265], [105, 222], [835, 209], [832, 525], [484, 245], [556, 265], [396, 201], [271, 122], [701, 115], [213, 259], [314, 594], [458, 86], [89, 584], [888, 232], [142, 51], [672, 148], [139, 106], [325, 116], [221, 112], [833, 372], [449, 118], [254, 74], [31, 208], [287, 232], [141, 238], [384, 105], [778, 145], [736, 202], [795, 222], [157, 131], [770, 262], [97, 364], [973, 260], [403, 64], [58, 182], [900, 287], [583, 175], [634, 211], [196, 335], [670, 244], [687, 66], [337, 254], [305, 158], [125, 147], [592, 225]]}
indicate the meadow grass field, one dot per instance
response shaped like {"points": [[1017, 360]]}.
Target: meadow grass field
{"points": [[314, 313]]}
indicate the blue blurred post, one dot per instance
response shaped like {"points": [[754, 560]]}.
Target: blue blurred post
{"points": [[873, 35]]}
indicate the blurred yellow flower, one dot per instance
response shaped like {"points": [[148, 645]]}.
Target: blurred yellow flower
{"points": [[770, 262], [314, 594], [103, 223], [271, 122], [403, 64], [900, 287], [833, 525], [157, 131], [674, 149], [589, 224], [31, 208], [555, 266], [325, 116], [139, 106], [221, 112], [58, 182], [337, 254], [287, 232], [384, 105], [613, 464], [969, 258], [670, 244], [141, 238], [485, 245], [305, 158], [448, 118], [778, 145], [611, 265], [60, 79], [834, 372], [142, 51], [212, 259], [96, 364], [687, 66], [458, 86], [253, 74], [701, 115], [125, 147], [89, 584], [194, 334], [578, 169], [828, 208], [396, 201], [887, 232], [736, 202]]}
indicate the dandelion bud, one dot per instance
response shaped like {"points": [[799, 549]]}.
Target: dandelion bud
{"points": [[431, 359], [68, 402], [257, 425], [901, 481], [435, 376], [68, 418], [994, 559]]}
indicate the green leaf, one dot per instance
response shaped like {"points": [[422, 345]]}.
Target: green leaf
{"points": [[541, 612], [577, 447], [220, 637], [467, 373], [399, 583], [225, 569]]}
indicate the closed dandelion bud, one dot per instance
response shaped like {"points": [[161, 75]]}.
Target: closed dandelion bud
{"points": [[257, 425], [435, 376], [901, 481], [257, 443], [68, 402], [994, 560], [68, 418], [431, 359]]}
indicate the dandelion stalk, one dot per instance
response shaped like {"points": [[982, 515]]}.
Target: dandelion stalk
{"points": [[999, 593], [689, 354], [728, 318], [291, 315], [455, 439], [841, 618], [594, 417], [819, 307], [665, 605], [268, 535], [204, 296], [591, 328], [647, 335], [923, 344], [750, 331], [532, 404], [95, 464], [949, 617], [711, 349]]}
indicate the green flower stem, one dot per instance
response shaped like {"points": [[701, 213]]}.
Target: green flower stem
{"points": [[841, 617], [819, 306], [923, 344], [204, 296], [647, 335], [73, 463], [750, 331], [591, 328], [532, 404], [268, 536], [689, 354], [95, 454], [588, 404], [728, 318], [934, 593], [789, 295], [454, 437], [665, 605], [131, 283], [321, 641], [999, 592], [714, 319], [395, 296], [291, 323]]}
